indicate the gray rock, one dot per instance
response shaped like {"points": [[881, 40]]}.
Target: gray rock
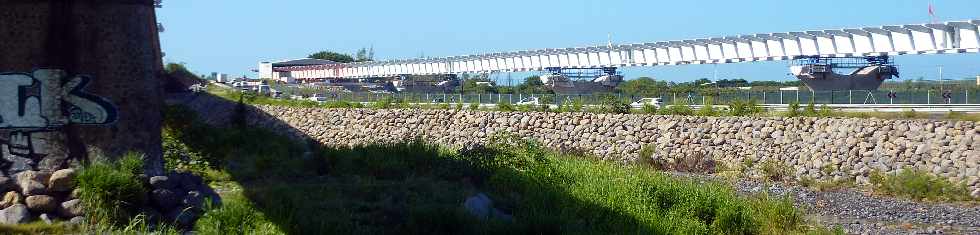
{"points": [[480, 206], [45, 218], [162, 182], [16, 214], [41, 203], [164, 199], [30, 182], [62, 180], [193, 199], [71, 208], [77, 220]]}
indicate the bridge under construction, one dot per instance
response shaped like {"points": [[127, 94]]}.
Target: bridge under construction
{"points": [[815, 49]]}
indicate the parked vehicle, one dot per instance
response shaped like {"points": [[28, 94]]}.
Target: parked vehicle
{"points": [[656, 102], [529, 101], [318, 98], [438, 100]]}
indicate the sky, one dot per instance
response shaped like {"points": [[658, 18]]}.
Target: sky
{"points": [[233, 36]]}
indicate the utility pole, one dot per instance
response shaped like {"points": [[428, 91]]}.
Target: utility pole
{"points": [[941, 82]]}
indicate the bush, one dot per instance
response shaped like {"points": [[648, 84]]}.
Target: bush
{"points": [[741, 108], [775, 170], [112, 191], [385, 103], [910, 113], [649, 109], [793, 110], [474, 106], [825, 111], [677, 108], [810, 110], [708, 110], [919, 185], [505, 107], [235, 216]]}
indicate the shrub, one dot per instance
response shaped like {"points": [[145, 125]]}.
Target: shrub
{"points": [[385, 103], [919, 185], [775, 170], [741, 108], [649, 109], [235, 216], [910, 113], [112, 191], [810, 110], [825, 111], [793, 110], [677, 108], [708, 110], [647, 157], [474, 106], [505, 107]]}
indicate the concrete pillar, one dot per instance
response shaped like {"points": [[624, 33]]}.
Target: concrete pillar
{"points": [[99, 94]]}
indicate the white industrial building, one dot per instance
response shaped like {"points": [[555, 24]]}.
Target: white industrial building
{"points": [[289, 71]]}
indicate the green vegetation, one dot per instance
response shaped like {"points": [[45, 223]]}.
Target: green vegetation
{"points": [[741, 108], [112, 191], [919, 185], [775, 170], [678, 108], [279, 186]]}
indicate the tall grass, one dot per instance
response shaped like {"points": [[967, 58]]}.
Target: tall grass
{"points": [[920, 185], [112, 191]]}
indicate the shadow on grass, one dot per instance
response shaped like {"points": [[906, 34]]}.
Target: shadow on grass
{"points": [[407, 188]]}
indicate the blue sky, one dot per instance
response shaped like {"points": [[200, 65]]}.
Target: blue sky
{"points": [[233, 36]]}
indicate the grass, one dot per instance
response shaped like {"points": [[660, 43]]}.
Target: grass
{"points": [[112, 191], [418, 188], [919, 185]]}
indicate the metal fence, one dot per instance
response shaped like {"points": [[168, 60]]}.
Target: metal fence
{"points": [[962, 96]]}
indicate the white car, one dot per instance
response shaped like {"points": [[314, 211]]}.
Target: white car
{"points": [[656, 102], [529, 101], [318, 98]]}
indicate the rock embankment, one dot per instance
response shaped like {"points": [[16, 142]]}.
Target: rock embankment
{"points": [[814, 148]]}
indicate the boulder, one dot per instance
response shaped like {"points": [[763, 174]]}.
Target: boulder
{"points": [[481, 207], [30, 182], [162, 182], [16, 214], [62, 180], [11, 198], [45, 218], [41, 203], [77, 220], [71, 208]]}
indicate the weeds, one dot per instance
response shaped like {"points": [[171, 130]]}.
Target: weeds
{"points": [[741, 108], [919, 185], [112, 191], [775, 170], [793, 110]]}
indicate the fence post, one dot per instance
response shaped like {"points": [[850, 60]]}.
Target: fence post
{"points": [[763, 97], [928, 96], [966, 96], [850, 98]]}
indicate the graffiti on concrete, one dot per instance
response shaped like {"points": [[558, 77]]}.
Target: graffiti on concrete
{"points": [[34, 105]]}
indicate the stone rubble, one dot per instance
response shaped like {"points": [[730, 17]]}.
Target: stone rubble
{"points": [[813, 148]]}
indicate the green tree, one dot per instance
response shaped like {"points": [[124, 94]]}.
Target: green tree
{"points": [[642, 86], [364, 55], [332, 56], [533, 85]]}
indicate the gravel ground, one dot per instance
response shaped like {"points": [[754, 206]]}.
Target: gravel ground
{"points": [[859, 212]]}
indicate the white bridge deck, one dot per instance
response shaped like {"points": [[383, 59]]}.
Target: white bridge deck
{"points": [[942, 38]]}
